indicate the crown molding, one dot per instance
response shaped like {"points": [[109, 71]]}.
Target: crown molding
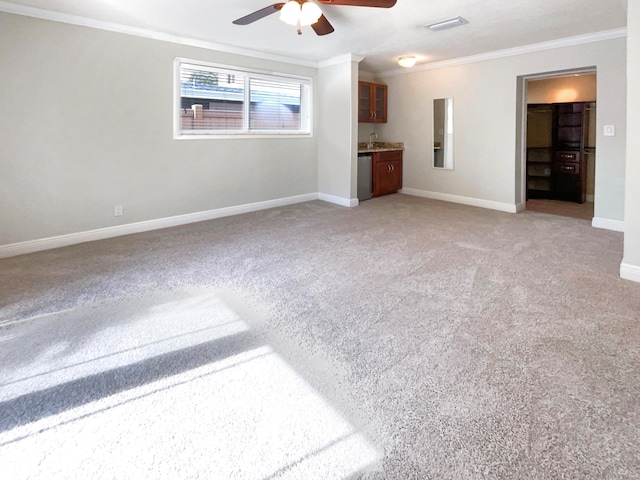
{"points": [[510, 52], [39, 13], [366, 76], [348, 57], [42, 14]]}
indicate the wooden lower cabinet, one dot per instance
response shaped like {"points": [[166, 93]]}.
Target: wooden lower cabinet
{"points": [[387, 172]]}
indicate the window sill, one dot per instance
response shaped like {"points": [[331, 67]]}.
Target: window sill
{"points": [[241, 135]]}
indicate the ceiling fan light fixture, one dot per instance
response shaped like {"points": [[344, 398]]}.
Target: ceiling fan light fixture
{"points": [[452, 22], [407, 61], [309, 13], [290, 12]]}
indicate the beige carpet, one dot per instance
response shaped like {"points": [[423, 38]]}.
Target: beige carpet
{"points": [[403, 339]]}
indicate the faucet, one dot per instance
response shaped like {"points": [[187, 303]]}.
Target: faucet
{"points": [[370, 144]]}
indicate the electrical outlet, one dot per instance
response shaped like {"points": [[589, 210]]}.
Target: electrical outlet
{"points": [[118, 210], [609, 131]]}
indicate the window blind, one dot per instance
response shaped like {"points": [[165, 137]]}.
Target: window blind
{"points": [[274, 105], [210, 99]]}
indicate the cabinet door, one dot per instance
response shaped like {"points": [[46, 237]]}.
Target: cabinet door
{"points": [[365, 113], [372, 102], [379, 103], [396, 175], [387, 172], [382, 181]]}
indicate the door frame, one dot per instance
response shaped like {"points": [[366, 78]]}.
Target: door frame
{"points": [[521, 128]]}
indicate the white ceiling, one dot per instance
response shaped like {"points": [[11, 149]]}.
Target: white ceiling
{"points": [[379, 35]]}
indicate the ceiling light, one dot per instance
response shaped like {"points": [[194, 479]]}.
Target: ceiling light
{"points": [[292, 13], [452, 22], [407, 62], [309, 13]]}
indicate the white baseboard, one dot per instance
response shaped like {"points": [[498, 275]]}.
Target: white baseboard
{"points": [[615, 225], [630, 272], [345, 202], [31, 246], [474, 202]]}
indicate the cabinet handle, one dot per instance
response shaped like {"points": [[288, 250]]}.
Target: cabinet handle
{"points": [[371, 114], [374, 114], [392, 168]]}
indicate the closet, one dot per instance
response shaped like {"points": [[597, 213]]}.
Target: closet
{"points": [[560, 143]]}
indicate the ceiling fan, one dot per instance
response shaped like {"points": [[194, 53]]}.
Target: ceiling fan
{"points": [[301, 13]]}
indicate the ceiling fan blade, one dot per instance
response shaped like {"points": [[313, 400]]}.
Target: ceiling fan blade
{"points": [[322, 26], [258, 14], [360, 3]]}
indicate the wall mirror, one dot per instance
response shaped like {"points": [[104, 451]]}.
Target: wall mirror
{"points": [[443, 133]]}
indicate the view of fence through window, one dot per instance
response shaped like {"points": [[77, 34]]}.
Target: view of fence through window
{"points": [[214, 100]]}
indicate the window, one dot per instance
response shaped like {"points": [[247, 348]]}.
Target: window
{"points": [[212, 100]]}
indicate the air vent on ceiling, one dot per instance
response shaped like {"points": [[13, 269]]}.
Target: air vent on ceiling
{"points": [[452, 22]]}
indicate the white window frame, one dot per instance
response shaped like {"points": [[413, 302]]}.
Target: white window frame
{"points": [[306, 104]]}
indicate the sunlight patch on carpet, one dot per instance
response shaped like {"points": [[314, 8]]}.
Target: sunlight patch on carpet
{"points": [[179, 388]]}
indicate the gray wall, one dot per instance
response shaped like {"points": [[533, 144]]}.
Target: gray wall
{"points": [[337, 148], [485, 106], [86, 124], [631, 262]]}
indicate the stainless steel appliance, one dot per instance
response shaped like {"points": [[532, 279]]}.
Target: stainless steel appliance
{"points": [[364, 176]]}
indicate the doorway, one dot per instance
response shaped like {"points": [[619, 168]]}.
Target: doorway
{"points": [[557, 143]]}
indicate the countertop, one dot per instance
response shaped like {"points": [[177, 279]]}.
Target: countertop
{"points": [[380, 147]]}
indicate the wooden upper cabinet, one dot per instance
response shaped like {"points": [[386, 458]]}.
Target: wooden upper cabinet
{"points": [[372, 102]]}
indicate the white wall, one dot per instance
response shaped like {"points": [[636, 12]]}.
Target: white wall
{"points": [[86, 124], [337, 126], [485, 106], [630, 267]]}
